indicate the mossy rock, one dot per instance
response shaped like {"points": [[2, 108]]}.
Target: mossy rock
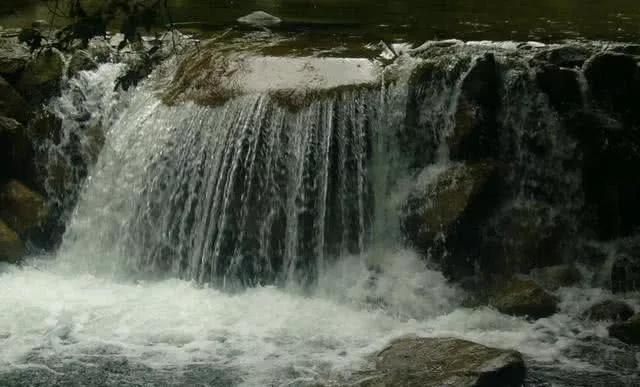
{"points": [[445, 362], [524, 298], [11, 246], [628, 331], [22, 209]]}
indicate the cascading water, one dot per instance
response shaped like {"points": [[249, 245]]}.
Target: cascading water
{"points": [[187, 201]]}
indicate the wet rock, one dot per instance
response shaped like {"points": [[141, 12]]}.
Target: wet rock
{"points": [[42, 75], [40, 24], [475, 133], [625, 274], [611, 310], [11, 247], [260, 19], [614, 82], [522, 237], [627, 331], [22, 209], [554, 277], [445, 362], [15, 148], [524, 298], [13, 57], [11, 102], [561, 86], [80, 61], [565, 56], [441, 205]]}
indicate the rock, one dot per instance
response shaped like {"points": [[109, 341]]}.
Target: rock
{"points": [[440, 206], [565, 56], [445, 362], [15, 148], [522, 237], [40, 24], [475, 134], [11, 247], [11, 102], [41, 77], [80, 61], [614, 82], [625, 274], [22, 209], [13, 57], [260, 19], [561, 86], [609, 310], [524, 298], [627, 331], [554, 277]]}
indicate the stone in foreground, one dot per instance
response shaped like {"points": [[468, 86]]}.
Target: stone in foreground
{"points": [[445, 362], [524, 298]]}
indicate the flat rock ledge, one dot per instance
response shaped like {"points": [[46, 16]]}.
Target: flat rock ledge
{"points": [[444, 362]]}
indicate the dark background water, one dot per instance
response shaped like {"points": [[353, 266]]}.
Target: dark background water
{"points": [[543, 20]]}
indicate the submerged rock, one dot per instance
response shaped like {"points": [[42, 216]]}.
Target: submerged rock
{"points": [[21, 208], [628, 331], [445, 362], [41, 77], [609, 310], [524, 298], [260, 19], [11, 247]]}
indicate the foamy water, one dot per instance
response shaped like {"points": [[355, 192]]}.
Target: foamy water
{"points": [[50, 320]]}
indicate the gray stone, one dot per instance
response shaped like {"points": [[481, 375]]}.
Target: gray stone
{"points": [[21, 208], [13, 56], [524, 298], [611, 310], [445, 362]]}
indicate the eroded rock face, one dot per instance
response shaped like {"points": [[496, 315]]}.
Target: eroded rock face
{"points": [[21, 208], [611, 310], [11, 247], [524, 298], [445, 362], [628, 331]]}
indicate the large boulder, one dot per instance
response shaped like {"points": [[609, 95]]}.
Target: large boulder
{"points": [[561, 86], [24, 210], [11, 102], [627, 331], [523, 298], [567, 56], [442, 203], [557, 276], [611, 310], [11, 247], [445, 362], [41, 77]]}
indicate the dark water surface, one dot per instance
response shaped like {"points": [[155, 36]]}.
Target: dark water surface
{"points": [[413, 20]]}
